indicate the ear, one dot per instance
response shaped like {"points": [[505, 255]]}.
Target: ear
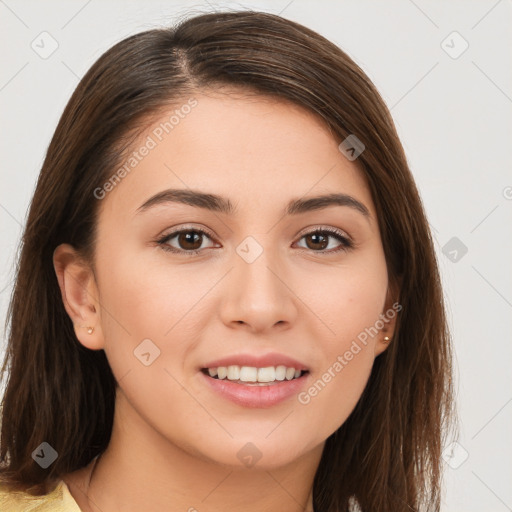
{"points": [[389, 316], [79, 295]]}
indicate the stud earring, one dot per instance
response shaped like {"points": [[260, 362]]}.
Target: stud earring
{"points": [[90, 330], [386, 339]]}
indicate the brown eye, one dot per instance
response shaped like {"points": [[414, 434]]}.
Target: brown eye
{"points": [[185, 241], [320, 240], [317, 241], [189, 240]]}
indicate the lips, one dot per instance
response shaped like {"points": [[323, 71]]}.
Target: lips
{"points": [[256, 396], [256, 381]]}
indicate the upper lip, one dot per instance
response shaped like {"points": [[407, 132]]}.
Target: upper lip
{"points": [[260, 361]]}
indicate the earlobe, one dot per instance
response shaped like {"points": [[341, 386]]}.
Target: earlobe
{"points": [[79, 295], [382, 344], [388, 317]]}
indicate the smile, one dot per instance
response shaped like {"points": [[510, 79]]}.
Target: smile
{"points": [[242, 386], [251, 375]]}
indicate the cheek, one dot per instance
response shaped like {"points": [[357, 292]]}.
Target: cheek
{"points": [[146, 311], [349, 304], [345, 361], [346, 299], [359, 302], [147, 297], [334, 392]]}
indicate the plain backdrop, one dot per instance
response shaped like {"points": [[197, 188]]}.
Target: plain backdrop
{"points": [[444, 70]]}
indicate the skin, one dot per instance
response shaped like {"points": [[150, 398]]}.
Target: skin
{"points": [[174, 443]]}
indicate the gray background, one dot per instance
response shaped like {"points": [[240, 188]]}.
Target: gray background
{"points": [[453, 116]]}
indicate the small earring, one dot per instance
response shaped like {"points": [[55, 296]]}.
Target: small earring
{"points": [[90, 330], [386, 339]]}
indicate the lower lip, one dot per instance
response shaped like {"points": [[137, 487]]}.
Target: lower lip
{"points": [[257, 396]]}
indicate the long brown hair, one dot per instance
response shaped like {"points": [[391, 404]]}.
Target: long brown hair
{"points": [[387, 454]]}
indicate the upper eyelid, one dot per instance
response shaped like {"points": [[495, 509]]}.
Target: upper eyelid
{"points": [[188, 228], [330, 229]]}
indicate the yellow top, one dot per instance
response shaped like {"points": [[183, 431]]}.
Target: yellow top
{"points": [[59, 500]]}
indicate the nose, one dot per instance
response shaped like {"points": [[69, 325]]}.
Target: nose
{"points": [[259, 296]]}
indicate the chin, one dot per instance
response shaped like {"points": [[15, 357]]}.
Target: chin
{"points": [[253, 453]]}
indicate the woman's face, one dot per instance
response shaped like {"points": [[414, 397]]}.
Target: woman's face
{"points": [[262, 290]]}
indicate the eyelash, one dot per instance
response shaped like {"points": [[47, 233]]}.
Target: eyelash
{"points": [[346, 244]]}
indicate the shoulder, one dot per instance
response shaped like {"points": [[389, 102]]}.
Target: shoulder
{"points": [[59, 500]]}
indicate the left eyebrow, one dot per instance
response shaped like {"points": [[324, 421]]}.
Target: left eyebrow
{"points": [[221, 204]]}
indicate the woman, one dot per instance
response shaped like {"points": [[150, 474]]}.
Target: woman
{"points": [[227, 294]]}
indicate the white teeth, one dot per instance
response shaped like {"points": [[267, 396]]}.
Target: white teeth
{"points": [[252, 374], [233, 372], [290, 373], [248, 374], [280, 372], [267, 374]]}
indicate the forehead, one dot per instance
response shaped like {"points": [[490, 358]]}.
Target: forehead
{"points": [[252, 149]]}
